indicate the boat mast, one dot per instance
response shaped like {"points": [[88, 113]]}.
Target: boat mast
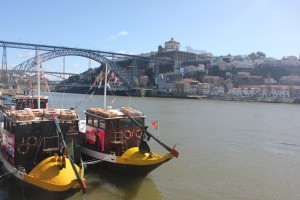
{"points": [[105, 86], [38, 78]]}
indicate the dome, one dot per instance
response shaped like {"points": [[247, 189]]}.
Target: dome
{"points": [[172, 45]]}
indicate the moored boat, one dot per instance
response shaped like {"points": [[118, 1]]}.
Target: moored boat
{"points": [[34, 149], [117, 138], [24, 101]]}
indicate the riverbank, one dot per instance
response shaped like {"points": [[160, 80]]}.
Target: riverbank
{"points": [[255, 99], [162, 94]]}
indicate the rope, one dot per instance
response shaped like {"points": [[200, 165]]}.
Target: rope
{"points": [[23, 190], [86, 95], [8, 173], [95, 161]]}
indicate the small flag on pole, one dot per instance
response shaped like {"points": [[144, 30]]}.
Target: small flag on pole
{"points": [[155, 125]]}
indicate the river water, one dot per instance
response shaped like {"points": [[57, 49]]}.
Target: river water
{"points": [[228, 150]]}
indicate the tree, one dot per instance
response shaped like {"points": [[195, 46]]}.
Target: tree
{"points": [[150, 74], [257, 55], [260, 54], [252, 56]]}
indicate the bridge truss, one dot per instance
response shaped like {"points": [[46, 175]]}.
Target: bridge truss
{"points": [[31, 64], [58, 51]]}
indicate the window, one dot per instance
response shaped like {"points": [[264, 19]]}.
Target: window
{"points": [[102, 123], [89, 120], [23, 128], [125, 123], [139, 120], [114, 125], [95, 122]]}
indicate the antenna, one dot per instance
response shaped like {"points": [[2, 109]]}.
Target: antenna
{"points": [[38, 77], [105, 85]]}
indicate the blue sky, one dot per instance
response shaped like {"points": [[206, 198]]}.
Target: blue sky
{"points": [[220, 27]]}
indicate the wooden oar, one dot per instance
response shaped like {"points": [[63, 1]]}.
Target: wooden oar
{"points": [[81, 182], [172, 151]]}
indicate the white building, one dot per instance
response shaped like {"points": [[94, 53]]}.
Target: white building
{"points": [[237, 92], [245, 63], [189, 86], [192, 68], [206, 88], [218, 91], [160, 80], [250, 92], [280, 93]]}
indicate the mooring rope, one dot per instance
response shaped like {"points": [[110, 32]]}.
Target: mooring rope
{"points": [[8, 173], [95, 161]]}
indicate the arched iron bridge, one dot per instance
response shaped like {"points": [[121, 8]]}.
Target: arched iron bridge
{"points": [[31, 64], [58, 51]]}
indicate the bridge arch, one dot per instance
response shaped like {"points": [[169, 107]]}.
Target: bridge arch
{"points": [[31, 63]]}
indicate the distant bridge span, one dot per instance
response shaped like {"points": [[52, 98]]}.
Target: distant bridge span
{"points": [[46, 72], [31, 64], [19, 45], [58, 51]]}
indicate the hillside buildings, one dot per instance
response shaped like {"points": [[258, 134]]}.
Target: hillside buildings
{"points": [[199, 73]]}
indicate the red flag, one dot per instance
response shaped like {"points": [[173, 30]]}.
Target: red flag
{"points": [[115, 79], [112, 74], [155, 125]]}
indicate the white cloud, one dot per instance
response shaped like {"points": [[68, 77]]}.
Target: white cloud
{"points": [[118, 35], [122, 33]]}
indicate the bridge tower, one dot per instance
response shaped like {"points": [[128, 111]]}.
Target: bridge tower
{"points": [[4, 66], [64, 67], [134, 69]]}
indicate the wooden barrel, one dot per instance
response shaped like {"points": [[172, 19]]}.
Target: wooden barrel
{"points": [[49, 113], [68, 114], [38, 112]]}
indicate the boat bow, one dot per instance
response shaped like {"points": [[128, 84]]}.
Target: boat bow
{"points": [[52, 176]]}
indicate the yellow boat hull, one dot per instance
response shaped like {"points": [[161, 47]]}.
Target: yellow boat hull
{"points": [[133, 162], [50, 175]]}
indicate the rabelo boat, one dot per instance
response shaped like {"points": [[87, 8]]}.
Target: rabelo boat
{"points": [[37, 149]]}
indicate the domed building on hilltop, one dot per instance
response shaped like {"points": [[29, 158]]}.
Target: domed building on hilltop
{"points": [[172, 51], [172, 45]]}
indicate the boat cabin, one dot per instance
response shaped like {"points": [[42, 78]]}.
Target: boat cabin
{"points": [[22, 101], [111, 131], [29, 136]]}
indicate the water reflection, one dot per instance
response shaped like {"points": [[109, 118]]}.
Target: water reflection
{"points": [[101, 184]]}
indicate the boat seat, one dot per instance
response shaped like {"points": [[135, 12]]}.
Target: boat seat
{"points": [[51, 144], [116, 142], [51, 149]]}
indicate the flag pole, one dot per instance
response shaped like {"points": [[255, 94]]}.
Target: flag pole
{"points": [[157, 128], [105, 85]]}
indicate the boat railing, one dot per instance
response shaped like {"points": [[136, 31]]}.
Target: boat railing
{"points": [[49, 144], [116, 137]]}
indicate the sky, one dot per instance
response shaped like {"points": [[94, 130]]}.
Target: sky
{"points": [[233, 27]]}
